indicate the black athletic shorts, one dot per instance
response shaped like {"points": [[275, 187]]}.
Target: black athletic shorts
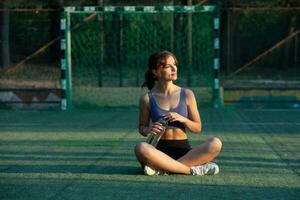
{"points": [[174, 148]]}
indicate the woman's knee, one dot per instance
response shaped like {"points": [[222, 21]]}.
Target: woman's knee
{"points": [[215, 145], [142, 150]]}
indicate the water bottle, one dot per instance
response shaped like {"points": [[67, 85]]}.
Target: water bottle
{"points": [[154, 139]]}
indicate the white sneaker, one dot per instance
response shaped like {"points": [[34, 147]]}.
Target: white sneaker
{"points": [[206, 169], [151, 172]]}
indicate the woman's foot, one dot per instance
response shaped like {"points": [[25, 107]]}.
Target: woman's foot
{"points": [[151, 172], [206, 169]]}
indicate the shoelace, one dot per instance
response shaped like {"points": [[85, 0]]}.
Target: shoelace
{"points": [[198, 170]]}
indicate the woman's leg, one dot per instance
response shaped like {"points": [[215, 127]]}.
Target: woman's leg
{"points": [[150, 156], [203, 153]]}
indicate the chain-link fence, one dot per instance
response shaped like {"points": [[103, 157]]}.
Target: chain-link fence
{"points": [[111, 49], [261, 44]]}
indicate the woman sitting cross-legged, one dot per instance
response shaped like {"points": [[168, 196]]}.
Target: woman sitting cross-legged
{"points": [[178, 107]]}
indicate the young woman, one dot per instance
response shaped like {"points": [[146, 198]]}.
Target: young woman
{"points": [[178, 106]]}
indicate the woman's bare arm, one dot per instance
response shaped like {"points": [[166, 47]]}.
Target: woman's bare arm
{"points": [[144, 115], [194, 122]]}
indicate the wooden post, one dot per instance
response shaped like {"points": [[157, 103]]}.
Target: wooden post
{"points": [[120, 63], [5, 47], [296, 52], [287, 50], [172, 30], [101, 45], [190, 45], [228, 45]]}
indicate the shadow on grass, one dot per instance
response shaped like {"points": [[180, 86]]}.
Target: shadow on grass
{"points": [[221, 121], [146, 188], [107, 169]]}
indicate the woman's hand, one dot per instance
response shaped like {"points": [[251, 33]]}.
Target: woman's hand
{"points": [[155, 129], [174, 116]]}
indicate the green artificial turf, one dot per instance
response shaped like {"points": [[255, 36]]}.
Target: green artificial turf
{"points": [[88, 154]]}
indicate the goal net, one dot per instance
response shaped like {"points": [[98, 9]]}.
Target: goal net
{"points": [[109, 46]]}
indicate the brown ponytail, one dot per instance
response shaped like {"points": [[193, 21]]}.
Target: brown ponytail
{"points": [[149, 80], [154, 61]]}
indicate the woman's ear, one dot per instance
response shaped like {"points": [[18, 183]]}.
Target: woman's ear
{"points": [[154, 72]]}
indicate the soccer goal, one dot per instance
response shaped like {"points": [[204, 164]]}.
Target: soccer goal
{"points": [[110, 46]]}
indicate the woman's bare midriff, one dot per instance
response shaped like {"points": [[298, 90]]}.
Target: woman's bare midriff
{"points": [[174, 134]]}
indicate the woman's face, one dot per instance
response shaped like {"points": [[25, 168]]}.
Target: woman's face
{"points": [[168, 71]]}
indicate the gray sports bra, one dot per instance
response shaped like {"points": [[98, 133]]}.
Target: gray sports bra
{"points": [[156, 112]]}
